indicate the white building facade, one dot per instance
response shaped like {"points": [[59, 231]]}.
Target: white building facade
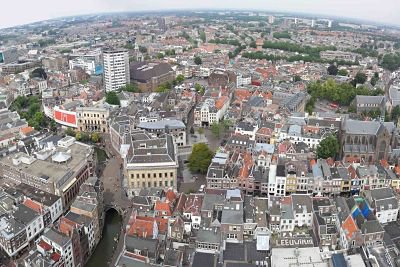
{"points": [[116, 69]]}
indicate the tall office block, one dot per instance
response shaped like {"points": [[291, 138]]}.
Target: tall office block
{"points": [[116, 69]]}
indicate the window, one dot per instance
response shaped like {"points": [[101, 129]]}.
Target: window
{"points": [[171, 174], [166, 183]]}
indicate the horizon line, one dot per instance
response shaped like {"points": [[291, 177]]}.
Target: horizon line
{"points": [[150, 11]]}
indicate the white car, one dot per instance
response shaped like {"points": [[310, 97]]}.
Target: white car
{"points": [[202, 188]]}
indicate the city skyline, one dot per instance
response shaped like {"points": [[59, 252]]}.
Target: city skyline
{"points": [[34, 11]]}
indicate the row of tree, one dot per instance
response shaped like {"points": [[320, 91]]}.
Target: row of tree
{"points": [[219, 128], [281, 35], [225, 41], [342, 93], [82, 136], [305, 58]]}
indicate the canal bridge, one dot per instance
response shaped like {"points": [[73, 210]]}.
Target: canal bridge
{"points": [[119, 209]]}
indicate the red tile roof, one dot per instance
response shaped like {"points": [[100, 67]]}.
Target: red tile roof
{"points": [[170, 196], [349, 227], [264, 131], [66, 226], [163, 206], [55, 256], [26, 130], [221, 101], [142, 227], [45, 245], [162, 224], [33, 205]]}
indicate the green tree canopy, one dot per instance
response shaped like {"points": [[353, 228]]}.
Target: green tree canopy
{"points": [[197, 60], [112, 98], [342, 93], [343, 72], [391, 61], [130, 88], [200, 158], [180, 78], [95, 137], [218, 128], [297, 78], [395, 113], [281, 35], [332, 70], [328, 147], [69, 131], [142, 49], [360, 78], [202, 36]]}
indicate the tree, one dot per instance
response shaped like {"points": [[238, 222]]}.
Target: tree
{"points": [[216, 129], [191, 130], [95, 137], [112, 98], [180, 78], [142, 49], [69, 131], [200, 89], [200, 158], [332, 70], [297, 78], [281, 35], [343, 72], [395, 113], [81, 136], [130, 88], [360, 78], [391, 61], [202, 36], [160, 55], [373, 81], [197, 60], [328, 147]]}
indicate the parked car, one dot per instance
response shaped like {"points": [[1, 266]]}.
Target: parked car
{"points": [[201, 189]]}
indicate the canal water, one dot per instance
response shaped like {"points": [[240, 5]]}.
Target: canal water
{"points": [[104, 250]]}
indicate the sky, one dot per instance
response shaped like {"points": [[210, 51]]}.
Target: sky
{"points": [[17, 12]]}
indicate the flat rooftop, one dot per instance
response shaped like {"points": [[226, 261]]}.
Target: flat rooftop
{"points": [[51, 171], [305, 257]]}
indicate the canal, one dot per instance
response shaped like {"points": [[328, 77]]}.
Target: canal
{"points": [[105, 249]]}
